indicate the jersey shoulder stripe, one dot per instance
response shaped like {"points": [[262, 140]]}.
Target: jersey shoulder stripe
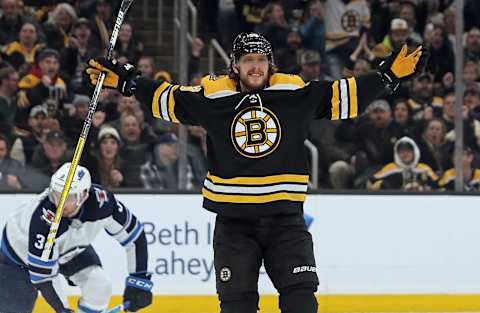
{"points": [[387, 170], [280, 81], [217, 87], [448, 176]]}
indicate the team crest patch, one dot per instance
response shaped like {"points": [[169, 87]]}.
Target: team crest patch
{"points": [[48, 216], [255, 133], [225, 274], [350, 21], [102, 197]]}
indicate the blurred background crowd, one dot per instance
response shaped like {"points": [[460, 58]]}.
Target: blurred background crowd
{"points": [[403, 141]]}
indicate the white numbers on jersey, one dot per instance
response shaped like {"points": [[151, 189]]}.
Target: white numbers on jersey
{"points": [[120, 207], [40, 241]]}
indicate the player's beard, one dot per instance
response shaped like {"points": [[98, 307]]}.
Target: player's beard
{"points": [[250, 82]]}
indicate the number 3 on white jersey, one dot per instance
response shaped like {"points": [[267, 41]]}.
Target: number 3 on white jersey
{"points": [[40, 241]]}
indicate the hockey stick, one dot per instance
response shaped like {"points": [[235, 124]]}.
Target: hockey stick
{"points": [[84, 134]]}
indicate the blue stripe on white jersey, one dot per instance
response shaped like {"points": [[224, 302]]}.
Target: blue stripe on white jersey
{"points": [[133, 235], [36, 278], [36, 261], [8, 251]]}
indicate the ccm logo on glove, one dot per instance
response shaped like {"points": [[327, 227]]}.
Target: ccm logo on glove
{"points": [[139, 283]]}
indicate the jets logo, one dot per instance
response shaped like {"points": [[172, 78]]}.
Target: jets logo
{"points": [[80, 174], [255, 133], [48, 216], [102, 197]]}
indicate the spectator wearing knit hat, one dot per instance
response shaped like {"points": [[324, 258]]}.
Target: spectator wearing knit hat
{"points": [[105, 164]]}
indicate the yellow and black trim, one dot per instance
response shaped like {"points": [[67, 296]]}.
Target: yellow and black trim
{"points": [[218, 86], [163, 103], [449, 178], [17, 47], [256, 189], [344, 99]]}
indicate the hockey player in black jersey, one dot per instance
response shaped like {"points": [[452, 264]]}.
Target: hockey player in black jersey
{"points": [[89, 209], [257, 121]]}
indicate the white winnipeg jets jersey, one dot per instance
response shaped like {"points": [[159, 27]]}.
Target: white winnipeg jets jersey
{"points": [[26, 231]]}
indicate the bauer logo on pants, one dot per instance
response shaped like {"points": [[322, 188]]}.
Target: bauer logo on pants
{"points": [[303, 269], [225, 274], [255, 132]]}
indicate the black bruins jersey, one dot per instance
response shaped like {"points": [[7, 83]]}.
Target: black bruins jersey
{"points": [[392, 176], [256, 157], [447, 182]]}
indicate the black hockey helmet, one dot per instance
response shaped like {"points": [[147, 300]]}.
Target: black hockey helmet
{"points": [[249, 42]]}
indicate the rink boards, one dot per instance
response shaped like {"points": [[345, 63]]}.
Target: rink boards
{"points": [[374, 253]]}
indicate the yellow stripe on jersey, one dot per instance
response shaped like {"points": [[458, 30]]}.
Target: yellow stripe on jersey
{"points": [[447, 177], [279, 81], [279, 196], [352, 87], [387, 170], [428, 169], [335, 100], [171, 105], [216, 87], [260, 180], [156, 99]]}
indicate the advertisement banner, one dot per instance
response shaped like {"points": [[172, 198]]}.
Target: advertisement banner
{"points": [[363, 244]]}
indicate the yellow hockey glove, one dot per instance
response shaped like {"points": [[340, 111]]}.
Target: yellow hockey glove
{"points": [[118, 76], [400, 66]]}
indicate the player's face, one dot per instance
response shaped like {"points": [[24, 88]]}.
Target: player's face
{"points": [[253, 71], [71, 204]]}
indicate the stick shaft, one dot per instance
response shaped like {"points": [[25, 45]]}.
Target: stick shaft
{"points": [[47, 249]]}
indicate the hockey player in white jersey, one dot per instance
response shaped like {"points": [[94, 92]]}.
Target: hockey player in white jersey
{"points": [[89, 209]]}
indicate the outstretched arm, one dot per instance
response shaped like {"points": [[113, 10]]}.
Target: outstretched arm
{"points": [[173, 103], [347, 98]]}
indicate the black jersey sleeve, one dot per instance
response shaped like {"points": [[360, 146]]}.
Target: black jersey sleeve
{"points": [[173, 103], [344, 98]]}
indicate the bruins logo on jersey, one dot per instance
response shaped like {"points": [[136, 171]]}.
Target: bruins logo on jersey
{"points": [[350, 21], [255, 133]]}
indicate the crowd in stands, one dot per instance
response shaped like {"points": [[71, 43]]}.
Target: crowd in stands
{"points": [[44, 101], [403, 141]]}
